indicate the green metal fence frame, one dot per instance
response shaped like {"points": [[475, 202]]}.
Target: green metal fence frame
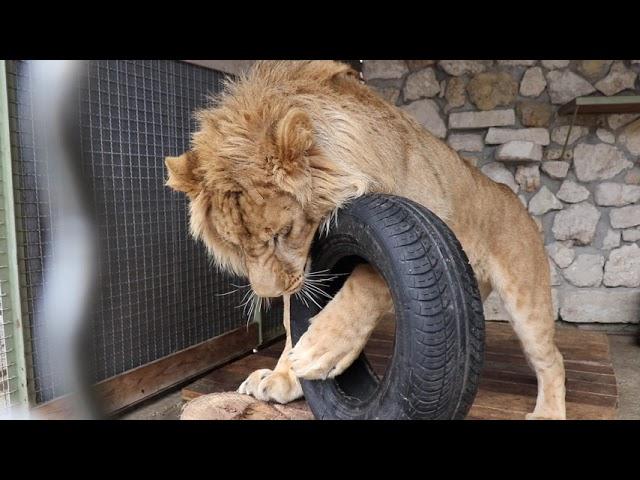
{"points": [[9, 273]]}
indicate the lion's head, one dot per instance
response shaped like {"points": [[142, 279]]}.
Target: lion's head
{"points": [[258, 178]]}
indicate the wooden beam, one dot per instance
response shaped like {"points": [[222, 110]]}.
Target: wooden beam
{"points": [[234, 67], [602, 105], [139, 384]]}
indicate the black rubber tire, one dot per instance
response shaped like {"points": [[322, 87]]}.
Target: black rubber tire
{"points": [[439, 338]]}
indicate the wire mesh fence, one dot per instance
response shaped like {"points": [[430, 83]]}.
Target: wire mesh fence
{"points": [[12, 371], [6, 364], [272, 320], [158, 292]]}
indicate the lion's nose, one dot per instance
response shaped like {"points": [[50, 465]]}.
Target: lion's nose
{"points": [[295, 284]]}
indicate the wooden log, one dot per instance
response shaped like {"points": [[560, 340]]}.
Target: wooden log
{"points": [[235, 406]]}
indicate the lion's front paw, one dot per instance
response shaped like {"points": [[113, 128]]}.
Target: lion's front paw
{"points": [[250, 385], [319, 355], [267, 385], [279, 386]]}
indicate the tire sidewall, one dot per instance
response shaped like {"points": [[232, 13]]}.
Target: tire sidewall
{"points": [[361, 232], [358, 238]]}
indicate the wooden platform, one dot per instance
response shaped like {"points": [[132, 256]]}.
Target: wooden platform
{"points": [[508, 385]]}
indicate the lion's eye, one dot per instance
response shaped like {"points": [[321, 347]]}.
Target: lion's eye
{"points": [[282, 233], [285, 231]]}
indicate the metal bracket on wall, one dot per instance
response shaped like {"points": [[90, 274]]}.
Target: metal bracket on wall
{"points": [[600, 106], [566, 140]]}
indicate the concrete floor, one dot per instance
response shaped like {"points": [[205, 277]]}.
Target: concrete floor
{"points": [[625, 353]]}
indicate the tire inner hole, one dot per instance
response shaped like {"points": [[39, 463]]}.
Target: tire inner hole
{"points": [[362, 378]]}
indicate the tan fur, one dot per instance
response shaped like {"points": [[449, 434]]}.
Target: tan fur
{"points": [[291, 142]]}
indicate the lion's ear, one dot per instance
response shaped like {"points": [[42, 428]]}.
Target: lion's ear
{"points": [[293, 139], [346, 72], [182, 174]]}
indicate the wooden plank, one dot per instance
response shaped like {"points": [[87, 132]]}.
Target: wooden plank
{"points": [[479, 412], [579, 365], [140, 383], [504, 405], [602, 105], [563, 335], [252, 362], [571, 383], [603, 378], [61, 408], [503, 335], [569, 347], [575, 411], [569, 353], [230, 377], [508, 386], [530, 391], [587, 366], [380, 343], [273, 350]]}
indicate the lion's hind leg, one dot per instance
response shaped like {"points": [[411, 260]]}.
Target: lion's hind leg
{"points": [[524, 287]]}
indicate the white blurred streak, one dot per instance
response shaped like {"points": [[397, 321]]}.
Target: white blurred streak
{"points": [[70, 275]]}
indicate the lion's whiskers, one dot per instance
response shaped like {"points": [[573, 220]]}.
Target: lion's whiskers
{"points": [[226, 293], [237, 288], [312, 290], [252, 303], [301, 297], [314, 284], [305, 292]]}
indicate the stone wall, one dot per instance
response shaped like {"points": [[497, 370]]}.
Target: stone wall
{"points": [[502, 116]]}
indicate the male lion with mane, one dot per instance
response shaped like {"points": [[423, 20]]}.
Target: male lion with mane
{"points": [[292, 141]]}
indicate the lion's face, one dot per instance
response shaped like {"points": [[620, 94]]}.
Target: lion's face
{"points": [[249, 183], [269, 239]]}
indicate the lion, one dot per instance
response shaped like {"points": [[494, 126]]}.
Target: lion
{"points": [[289, 143]]}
